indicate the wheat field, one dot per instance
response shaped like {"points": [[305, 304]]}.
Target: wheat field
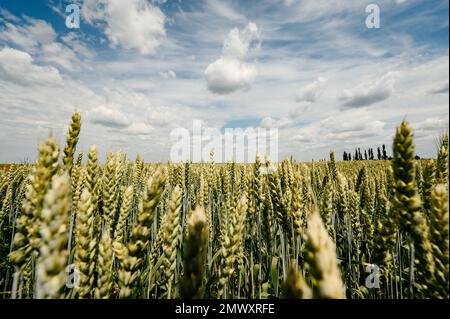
{"points": [[72, 227]]}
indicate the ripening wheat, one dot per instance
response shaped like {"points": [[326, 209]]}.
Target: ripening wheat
{"points": [[131, 229]]}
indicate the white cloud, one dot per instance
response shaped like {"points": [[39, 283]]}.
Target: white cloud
{"points": [[352, 136], [38, 38], [227, 75], [369, 93], [74, 41], [17, 67], [339, 131], [306, 11], [139, 128], [223, 9], [341, 127], [288, 3], [430, 129], [168, 116], [30, 35], [238, 42], [312, 91], [440, 89], [36, 100], [230, 73], [298, 110], [108, 116], [8, 15], [267, 122], [168, 74], [133, 24], [431, 124], [60, 54], [302, 138]]}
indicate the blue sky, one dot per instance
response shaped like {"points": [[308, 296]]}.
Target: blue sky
{"points": [[138, 69]]}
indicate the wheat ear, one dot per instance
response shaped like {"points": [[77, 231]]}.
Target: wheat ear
{"points": [[53, 258]]}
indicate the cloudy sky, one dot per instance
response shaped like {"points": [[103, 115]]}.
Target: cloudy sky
{"points": [[138, 69]]}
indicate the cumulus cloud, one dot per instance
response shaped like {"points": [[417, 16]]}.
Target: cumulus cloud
{"points": [[108, 117], [37, 99], [17, 67], [238, 42], [230, 72], [38, 38], [227, 75], [168, 116], [133, 24], [168, 74], [267, 122], [369, 93], [312, 91], [308, 95], [139, 128]]}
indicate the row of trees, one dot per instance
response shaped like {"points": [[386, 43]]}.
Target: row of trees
{"points": [[367, 155]]}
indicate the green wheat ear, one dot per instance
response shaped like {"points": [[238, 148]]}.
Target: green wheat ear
{"points": [[104, 276], [133, 255], [439, 237], [295, 286], [26, 240], [109, 190], [231, 245], [85, 244], [429, 174], [52, 261], [194, 254], [171, 233], [408, 206], [93, 176], [71, 141], [321, 261], [125, 210], [442, 161]]}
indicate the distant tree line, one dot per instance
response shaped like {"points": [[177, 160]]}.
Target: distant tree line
{"points": [[367, 154]]}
